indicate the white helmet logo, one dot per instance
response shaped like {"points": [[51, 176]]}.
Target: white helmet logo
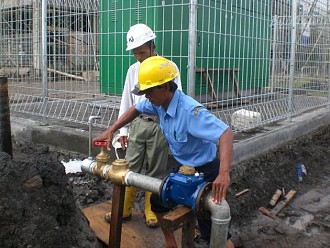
{"points": [[131, 39]]}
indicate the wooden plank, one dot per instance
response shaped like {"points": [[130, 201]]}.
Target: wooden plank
{"points": [[210, 85], [174, 219], [231, 71], [182, 217], [95, 215], [134, 232], [116, 218], [179, 213], [242, 192], [278, 208], [275, 197], [268, 213]]}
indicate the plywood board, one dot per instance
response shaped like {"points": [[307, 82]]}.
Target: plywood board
{"points": [[134, 232]]}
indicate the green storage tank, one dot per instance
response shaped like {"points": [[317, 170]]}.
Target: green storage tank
{"points": [[230, 34]]}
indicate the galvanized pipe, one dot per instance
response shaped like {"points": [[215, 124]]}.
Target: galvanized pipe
{"points": [[328, 79], [143, 182], [275, 27], [192, 44], [220, 217], [292, 56], [44, 8]]}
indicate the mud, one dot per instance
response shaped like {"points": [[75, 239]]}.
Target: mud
{"points": [[41, 206]]}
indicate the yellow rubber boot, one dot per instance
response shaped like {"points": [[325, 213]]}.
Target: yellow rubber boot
{"points": [[130, 194], [151, 219]]}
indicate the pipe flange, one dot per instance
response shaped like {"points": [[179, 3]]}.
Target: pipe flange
{"points": [[165, 188], [201, 198]]}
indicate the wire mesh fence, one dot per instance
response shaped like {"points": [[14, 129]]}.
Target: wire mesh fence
{"points": [[250, 62]]}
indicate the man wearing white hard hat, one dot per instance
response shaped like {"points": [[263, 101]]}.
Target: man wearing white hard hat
{"points": [[147, 145]]}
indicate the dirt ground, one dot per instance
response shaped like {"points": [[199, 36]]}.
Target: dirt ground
{"points": [[40, 205]]}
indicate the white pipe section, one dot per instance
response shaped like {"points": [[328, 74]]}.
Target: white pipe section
{"points": [[87, 165], [143, 182], [220, 217]]}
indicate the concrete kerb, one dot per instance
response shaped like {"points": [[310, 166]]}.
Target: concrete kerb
{"points": [[76, 138]]}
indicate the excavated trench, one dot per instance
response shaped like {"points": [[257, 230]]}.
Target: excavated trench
{"points": [[41, 205]]}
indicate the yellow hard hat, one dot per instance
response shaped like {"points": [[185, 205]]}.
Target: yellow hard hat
{"points": [[155, 71]]}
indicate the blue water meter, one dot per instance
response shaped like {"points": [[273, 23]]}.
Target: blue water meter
{"points": [[182, 189]]}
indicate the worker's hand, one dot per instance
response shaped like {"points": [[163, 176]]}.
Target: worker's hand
{"points": [[123, 141], [105, 136], [220, 186]]}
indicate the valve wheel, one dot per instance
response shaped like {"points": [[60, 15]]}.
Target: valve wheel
{"points": [[100, 143]]}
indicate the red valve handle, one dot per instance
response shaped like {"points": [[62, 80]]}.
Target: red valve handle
{"points": [[100, 143]]}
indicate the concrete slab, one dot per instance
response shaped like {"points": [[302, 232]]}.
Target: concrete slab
{"points": [[314, 200]]}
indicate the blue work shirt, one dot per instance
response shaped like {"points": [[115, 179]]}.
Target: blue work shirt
{"points": [[191, 131]]}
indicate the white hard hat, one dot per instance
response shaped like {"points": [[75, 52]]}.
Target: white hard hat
{"points": [[137, 35]]}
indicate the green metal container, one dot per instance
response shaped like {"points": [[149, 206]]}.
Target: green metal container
{"points": [[230, 34]]}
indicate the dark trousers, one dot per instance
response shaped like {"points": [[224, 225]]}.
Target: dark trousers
{"points": [[211, 171]]}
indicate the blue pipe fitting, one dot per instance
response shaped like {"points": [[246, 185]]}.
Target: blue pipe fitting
{"points": [[182, 189]]}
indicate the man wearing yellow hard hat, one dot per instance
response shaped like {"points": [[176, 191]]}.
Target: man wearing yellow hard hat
{"points": [[191, 131]]}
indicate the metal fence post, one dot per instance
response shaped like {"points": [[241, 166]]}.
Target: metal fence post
{"points": [[275, 26], [328, 11], [44, 71], [328, 105], [292, 55], [192, 48]]}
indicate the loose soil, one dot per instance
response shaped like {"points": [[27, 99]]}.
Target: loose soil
{"points": [[41, 206]]}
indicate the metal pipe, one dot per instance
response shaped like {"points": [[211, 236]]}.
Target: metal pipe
{"points": [[65, 74], [192, 44], [87, 165], [292, 56], [6, 141], [220, 217], [328, 105], [44, 34], [275, 25], [143, 182], [90, 119]]}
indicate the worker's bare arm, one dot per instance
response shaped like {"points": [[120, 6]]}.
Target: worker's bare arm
{"points": [[222, 182], [126, 118]]}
